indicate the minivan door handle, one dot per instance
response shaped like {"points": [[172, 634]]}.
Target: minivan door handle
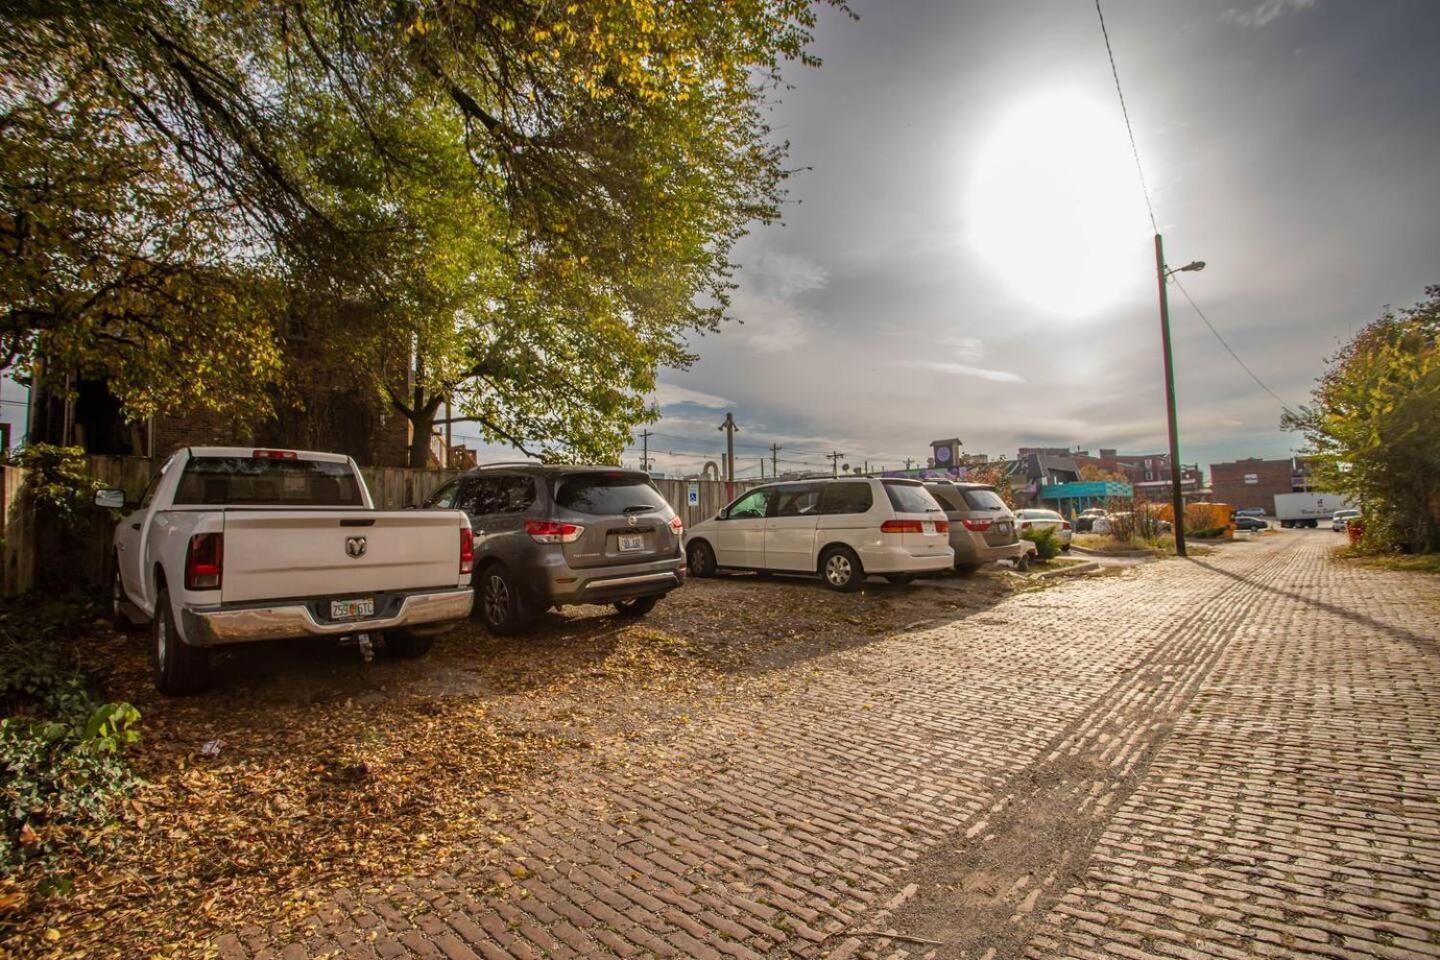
{"points": [[135, 526]]}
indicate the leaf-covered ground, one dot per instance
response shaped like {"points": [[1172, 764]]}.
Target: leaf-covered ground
{"points": [[335, 773]]}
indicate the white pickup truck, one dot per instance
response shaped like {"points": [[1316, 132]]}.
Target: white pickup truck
{"points": [[232, 545]]}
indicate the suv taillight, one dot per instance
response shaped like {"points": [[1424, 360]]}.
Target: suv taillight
{"points": [[467, 550], [205, 561], [677, 526], [550, 531], [979, 526], [1065, 525]]}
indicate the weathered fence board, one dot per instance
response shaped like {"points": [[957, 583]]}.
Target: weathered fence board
{"points": [[17, 534]]}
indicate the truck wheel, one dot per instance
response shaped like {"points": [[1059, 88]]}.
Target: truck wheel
{"points": [[498, 599], [406, 645], [118, 616], [840, 569], [179, 668], [636, 607]]}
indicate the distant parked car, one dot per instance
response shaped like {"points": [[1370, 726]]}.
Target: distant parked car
{"points": [[1250, 512], [1035, 519], [843, 530], [1247, 522], [982, 528], [547, 536], [1086, 521], [1342, 519]]}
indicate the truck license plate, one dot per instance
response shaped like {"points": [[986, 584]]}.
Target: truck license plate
{"points": [[352, 609], [631, 542]]}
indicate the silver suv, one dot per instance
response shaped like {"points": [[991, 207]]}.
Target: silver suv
{"points": [[982, 528], [547, 536]]}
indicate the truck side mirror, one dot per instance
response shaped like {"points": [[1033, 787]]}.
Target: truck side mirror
{"points": [[111, 498]]}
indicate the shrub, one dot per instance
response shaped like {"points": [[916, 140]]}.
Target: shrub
{"points": [[62, 749], [1047, 545], [57, 480]]}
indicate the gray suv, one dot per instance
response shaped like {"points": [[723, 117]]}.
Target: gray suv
{"points": [[982, 528], [547, 536]]}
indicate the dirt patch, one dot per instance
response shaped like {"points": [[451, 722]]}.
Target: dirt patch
{"points": [[334, 773]]}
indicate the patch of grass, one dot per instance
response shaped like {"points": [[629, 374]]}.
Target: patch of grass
{"points": [[1407, 562]]}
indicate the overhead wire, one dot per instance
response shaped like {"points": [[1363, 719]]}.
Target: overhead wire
{"points": [[1149, 206]]}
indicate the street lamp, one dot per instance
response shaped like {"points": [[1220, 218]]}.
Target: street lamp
{"points": [[1177, 499]]}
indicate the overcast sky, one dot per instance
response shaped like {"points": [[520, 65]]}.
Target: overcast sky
{"points": [[967, 251]]}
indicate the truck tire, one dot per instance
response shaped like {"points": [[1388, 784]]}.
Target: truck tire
{"points": [[178, 667], [407, 645], [498, 600]]}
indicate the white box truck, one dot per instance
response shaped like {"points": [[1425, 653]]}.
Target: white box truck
{"points": [[1308, 509]]}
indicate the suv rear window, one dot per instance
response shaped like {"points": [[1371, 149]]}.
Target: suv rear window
{"points": [[243, 481], [983, 500], [948, 497], [600, 495], [846, 498], [910, 498]]}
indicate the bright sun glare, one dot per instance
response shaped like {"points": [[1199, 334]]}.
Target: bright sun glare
{"points": [[1055, 205]]}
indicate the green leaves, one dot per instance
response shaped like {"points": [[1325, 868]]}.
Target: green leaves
{"points": [[1374, 426]]}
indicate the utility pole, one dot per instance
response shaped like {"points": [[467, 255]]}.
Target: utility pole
{"points": [[645, 436], [775, 459], [908, 461], [729, 427], [834, 459], [1177, 499]]}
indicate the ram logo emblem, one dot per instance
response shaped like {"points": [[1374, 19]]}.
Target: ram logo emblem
{"points": [[355, 547]]}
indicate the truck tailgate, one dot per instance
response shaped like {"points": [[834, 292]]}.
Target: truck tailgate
{"points": [[279, 554]]}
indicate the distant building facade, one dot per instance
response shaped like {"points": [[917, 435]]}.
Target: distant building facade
{"points": [[1253, 483]]}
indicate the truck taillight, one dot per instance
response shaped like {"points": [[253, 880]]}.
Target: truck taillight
{"points": [[550, 531], [273, 455], [205, 561], [467, 550], [677, 526]]}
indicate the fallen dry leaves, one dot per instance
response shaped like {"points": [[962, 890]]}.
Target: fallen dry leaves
{"points": [[338, 775]]}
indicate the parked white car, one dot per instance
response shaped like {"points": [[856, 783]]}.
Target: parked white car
{"points": [[843, 530], [233, 545], [1342, 519], [1036, 519]]}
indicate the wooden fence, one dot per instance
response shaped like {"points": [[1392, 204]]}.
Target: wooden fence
{"points": [[83, 558]]}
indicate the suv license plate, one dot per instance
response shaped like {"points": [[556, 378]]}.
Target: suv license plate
{"points": [[1003, 526], [352, 609], [630, 543]]}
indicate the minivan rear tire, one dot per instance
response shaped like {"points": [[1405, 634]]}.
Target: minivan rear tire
{"points": [[841, 570], [497, 597], [700, 559]]}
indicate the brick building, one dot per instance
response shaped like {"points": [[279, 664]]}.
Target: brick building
{"points": [[1253, 483]]}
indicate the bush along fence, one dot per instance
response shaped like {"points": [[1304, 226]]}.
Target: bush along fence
{"points": [[69, 549]]}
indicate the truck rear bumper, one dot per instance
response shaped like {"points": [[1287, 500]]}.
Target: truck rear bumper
{"points": [[428, 611]]}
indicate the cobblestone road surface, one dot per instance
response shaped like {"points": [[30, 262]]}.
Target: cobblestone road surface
{"points": [[1233, 756]]}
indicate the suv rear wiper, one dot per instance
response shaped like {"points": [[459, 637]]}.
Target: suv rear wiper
{"points": [[637, 508]]}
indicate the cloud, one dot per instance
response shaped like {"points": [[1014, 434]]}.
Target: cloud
{"points": [[772, 300], [1266, 12], [963, 369], [668, 394]]}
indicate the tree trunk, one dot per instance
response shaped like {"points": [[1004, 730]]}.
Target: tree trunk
{"points": [[422, 425]]}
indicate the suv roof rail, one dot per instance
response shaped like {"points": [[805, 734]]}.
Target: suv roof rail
{"points": [[511, 463]]}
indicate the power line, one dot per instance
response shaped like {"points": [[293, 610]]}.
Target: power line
{"points": [[1243, 366], [1125, 111]]}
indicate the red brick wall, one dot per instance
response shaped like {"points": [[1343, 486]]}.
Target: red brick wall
{"points": [[1227, 481]]}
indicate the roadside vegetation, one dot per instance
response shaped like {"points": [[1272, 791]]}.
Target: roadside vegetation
{"points": [[1374, 429]]}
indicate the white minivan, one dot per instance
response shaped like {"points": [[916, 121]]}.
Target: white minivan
{"points": [[843, 530]]}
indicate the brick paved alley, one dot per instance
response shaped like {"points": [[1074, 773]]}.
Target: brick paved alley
{"points": [[1232, 756]]}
